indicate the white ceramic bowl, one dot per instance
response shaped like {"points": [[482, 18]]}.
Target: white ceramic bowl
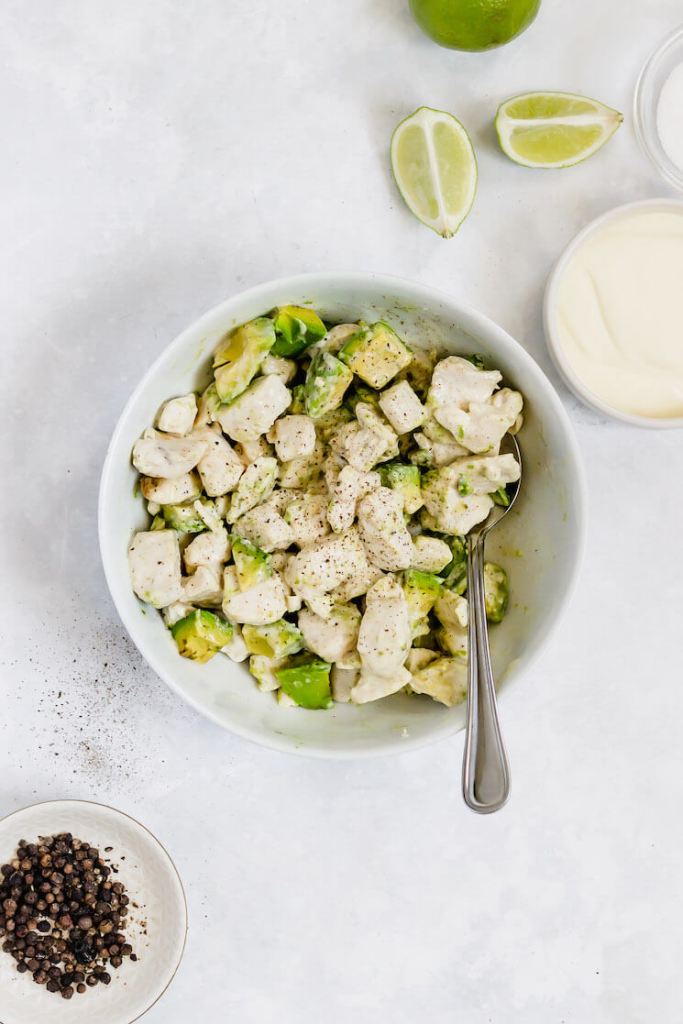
{"points": [[157, 929], [552, 332], [541, 541], [652, 80]]}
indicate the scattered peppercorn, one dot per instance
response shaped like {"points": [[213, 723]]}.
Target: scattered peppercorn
{"points": [[62, 919]]}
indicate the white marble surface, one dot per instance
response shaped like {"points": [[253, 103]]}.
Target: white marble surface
{"points": [[157, 157]]}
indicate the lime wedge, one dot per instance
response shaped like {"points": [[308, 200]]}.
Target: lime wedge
{"points": [[435, 169], [554, 129]]}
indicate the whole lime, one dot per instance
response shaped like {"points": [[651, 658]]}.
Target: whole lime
{"points": [[474, 24]]}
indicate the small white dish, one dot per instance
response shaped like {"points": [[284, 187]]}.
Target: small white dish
{"points": [[649, 87], [541, 541], [157, 928], [552, 333]]}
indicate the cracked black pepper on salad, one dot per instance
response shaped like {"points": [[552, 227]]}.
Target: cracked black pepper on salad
{"points": [[309, 509]]}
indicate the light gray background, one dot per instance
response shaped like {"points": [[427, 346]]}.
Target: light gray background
{"points": [[157, 157]]}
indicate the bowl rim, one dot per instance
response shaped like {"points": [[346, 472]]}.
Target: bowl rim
{"points": [[550, 303], [644, 128], [410, 291], [116, 811]]}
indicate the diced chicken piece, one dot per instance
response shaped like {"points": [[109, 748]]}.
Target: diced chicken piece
{"points": [[265, 527], [294, 603], [350, 660], [278, 560], [361, 448], [212, 513], [343, 681], [348, 488], [263, 670], [358, 584], [154, 561], [438, 453], [236, 649], [175, 612], [250, 451], [177, 416], [282, 368], [483, 426], [457, 381], [336, 336], [165, 457], [259, 605], [307, 518], [402, 407], [366, 442], [325, 564], [370, 419], [293, 437], [204, 587], [220, 468], [457, 515], [450, 503], [332, 638], [171, 492], [230, 583], [207, 407], [430, 554], [316, 601], [419, 657], [444, 679], [383, 642], [304, 470], [256, 483], [210, 549], [280, 500], [254, 411], [484, 474], [452, 612], [383, 531]]}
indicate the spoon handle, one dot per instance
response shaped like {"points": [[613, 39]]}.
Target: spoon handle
{"points": [[485, 772]]}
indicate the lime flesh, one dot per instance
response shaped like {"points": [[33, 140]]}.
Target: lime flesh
{"points": [[553, 130], [435, 168], [474, 24]]}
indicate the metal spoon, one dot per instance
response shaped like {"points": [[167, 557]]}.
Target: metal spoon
{"points": [[485, 768]]}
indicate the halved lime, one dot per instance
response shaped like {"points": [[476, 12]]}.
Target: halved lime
{"points": [[435, 168], [554, 129]]}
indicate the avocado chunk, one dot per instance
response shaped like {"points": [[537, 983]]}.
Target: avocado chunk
{"points": [[158, 523], [277, 640], [405, 479], [376, 354], [201, 634], [307, 681], [252, 565], [455, 573], [183, 518], [326, 382], [239, 357], [421, 590], [295, 329], [298, 406], [496, 592]]}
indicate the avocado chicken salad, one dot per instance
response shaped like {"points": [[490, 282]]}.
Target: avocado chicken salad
{"points": [[309, 509]]}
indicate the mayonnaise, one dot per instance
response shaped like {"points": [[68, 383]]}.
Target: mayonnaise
{"points": [[619, 312]]}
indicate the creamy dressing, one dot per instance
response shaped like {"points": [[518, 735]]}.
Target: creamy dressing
{"points": [[620, 312]]}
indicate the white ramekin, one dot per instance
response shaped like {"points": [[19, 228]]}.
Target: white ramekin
{"points": [[552, 333]]}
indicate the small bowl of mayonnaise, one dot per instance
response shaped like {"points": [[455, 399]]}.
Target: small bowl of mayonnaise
{"points": [[614, 314]]}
